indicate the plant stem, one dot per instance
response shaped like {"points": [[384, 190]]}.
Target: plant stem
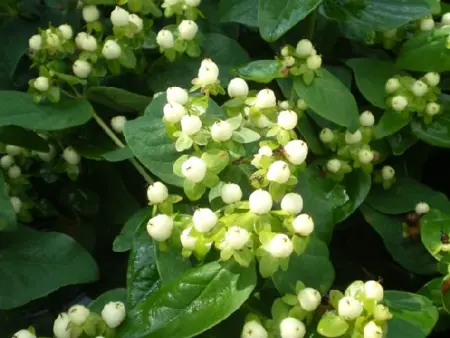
{"points": [[311, 24], [120, 144]]}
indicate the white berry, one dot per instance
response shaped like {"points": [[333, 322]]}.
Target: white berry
{"points": [[260, 202], [287, 119], [236, 237], [111, 50], [231, 193], [42, 83], [165, 39], [303, 225], [280, 246], [13, 150], [419, 88], [445, 20], [208, 73], [426, 24], [71, 156], [314, 62], [52, 39], [160, 227], [253, 329], [237, 87], [292, 203], [304, 48], [78, 314], [137, 22], [16, 203], [14, 172], [309, 299], [66, 31], [191, 124], [118, 123], [265, 151], [292, 328], [113, 314], [23, 334], [381, 312], [174, 112], [372, 330], [365, 156], [367, 119], [81, 68], [187, 241], [6, 161], [373, 290], [422, 208], [60, 326], [326, 135], [265, 99], [187, 29], [120, 17], [433, 78], [334, 165], [432, 108], [349, 308], [296, 151], [353, 138], [86, 42], [221, 131], [387, 173], [177, 95], [278, 172], [157, 193], [35, 42], [90, 13], [194, 169], [284, 105], [204, 219], [392, 85]]}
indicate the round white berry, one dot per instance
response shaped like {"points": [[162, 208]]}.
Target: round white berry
{"points": [[304, 48], [353, 138], [111, 50], [208, 73], [292, 328], [60, 326], [278, 172], [334, 165], [422, 208], [191, 124], [253, 329], [204, 219], [23, 334], [284, 105], [236, 237], [265, 99], [287, 119], [285, 51], [387, 173], [52, 39], [221, 131], [16, 203], [117, 123], [80, 39], [392, 85], [314, 62], [426, 24], [260, 202], [113, 314], [373, 290], [194, 169], [381, 312], [187, 241], [78, 314], [433, 78], [35, 42], [192, 3], [66, 31], [349, 308], [365, 156], [280, 246], [81, 68], [165, 39], [42, 83], [120, 17], [6, 161], [265, 151], [49, 155], [372, 330], [309, 299], [237, 87], [187, 29], [90, 13], [160, 227], [89, 43], [174, 112], [367, 119], [177, 95], [14, 172], [71, 156], [445, 20], [432, 108], [296, 151], [157, 193], [289, 61], [419, 88], [326, 135], [231, 193], [137, 22], [303, 225], [292, 203]]}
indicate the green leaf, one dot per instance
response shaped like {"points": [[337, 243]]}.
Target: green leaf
{"points": [[22, 137], [402, 141], [171, 264], [432, 225], [432, 290], [18, 109], [414, 316], [114, 295], [240, 11], [124, 241], [118, 155], [426, 52], [198, 300], [118, 99], [407, 252], [403, 196], [390, 123], [299, 269], [275, 18], [127, 58], [262, 71], [330, 99], [371, 76], [35, 264], [245, 135], [332, 325], [7, 214]]}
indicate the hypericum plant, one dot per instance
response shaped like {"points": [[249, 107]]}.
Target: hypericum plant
{"points": [[258, 133]]}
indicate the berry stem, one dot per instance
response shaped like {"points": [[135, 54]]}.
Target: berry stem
{"points": [[311, 24], [120, 144]]}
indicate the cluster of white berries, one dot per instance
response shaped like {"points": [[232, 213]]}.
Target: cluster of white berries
{"points": [[186, 30], [303, 56]]}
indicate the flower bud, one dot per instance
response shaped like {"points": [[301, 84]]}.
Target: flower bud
{"points": [[42, 83], [314, 62], [60, 326], [113, 314], [52, 39], [208, 73], [433, 78], [373, 290], [157, 193], [260, 202], [303, 225], [187, 29], [174, 112], [194, 169], [221, 131], [372, 330], [292, 328], [204, 220], [265, 99], [392, 85], [71, 156], [289, 61], [191, 124], [296, 151], [349, 308], [426, 24], [187, 242], [16, 203], [117, 123], [137, 22], [365, 156], [445, 20], [263, 122], [78, 314], [111, 50], [253, 329], [387, 173], [326, 135], [292, 203], [287, 119], [6, 161], [432, 108], [367, 119], [23, 334], [381, 312], [14, 172], [160, 227], [284, 105], [419, 88], [278, 172], [35, 42], [334, 165], [81, 69], [231, 193], [66, 31], [177, 95], [236, 237], [237, 87], [422, 208], [280, 246], [165, 39], [120, 17], [90, 13], [353, 138], [192, 3], [309, 299], [49, 155], [301, 104], [304, 48]]}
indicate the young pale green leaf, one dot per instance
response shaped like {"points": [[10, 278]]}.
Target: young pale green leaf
{"points": [[114, 295], [331, 325], [432, 226], [171, 264], [35, 264], [407, 252], [118, 99], [330, 99], [7, 214], [194, 191], [240, 11], [18, 109], [275, 18], [414, 316], [23, 138], [390, 123], [124, 241], [190, 305], [245, 135], [262, 71]]}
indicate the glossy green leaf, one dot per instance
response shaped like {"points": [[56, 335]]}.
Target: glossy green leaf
{"points": [[118, 155], [408, 252], [18, 109], [198, 300], [304, 268], [402, 141], [124, 241], [240, 11], [414, 316], [332, 325], [275, 18], [171, 264], [114, 295], [262, 71], [35, 264], [432, 226], [7, 214], [390, 123], [330, 99], [23, 138], [309, 130], [118, 99]]}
